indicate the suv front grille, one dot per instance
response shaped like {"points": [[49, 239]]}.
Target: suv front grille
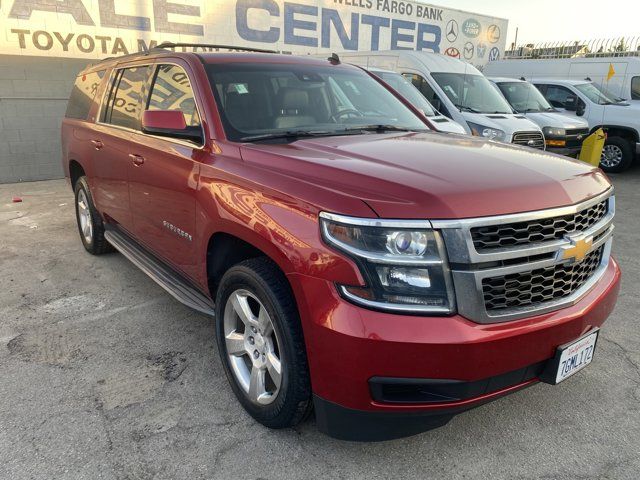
{"points": [[528, 289], [529, 139], [574, 133], [536, 231], [514, 266]]}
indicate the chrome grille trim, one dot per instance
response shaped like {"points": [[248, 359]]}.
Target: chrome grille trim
{"points": [[523, 138], [508, 235], [522, 290], [470, 267]]}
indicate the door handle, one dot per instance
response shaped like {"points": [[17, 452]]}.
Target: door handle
{"points": [[97, 144], [137, 160]]}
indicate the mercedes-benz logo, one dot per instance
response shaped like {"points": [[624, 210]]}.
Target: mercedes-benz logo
{"points": [[452, 31]]}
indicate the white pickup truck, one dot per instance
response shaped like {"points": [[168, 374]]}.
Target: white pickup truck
{"points": [[563, 133], [619, 118]]}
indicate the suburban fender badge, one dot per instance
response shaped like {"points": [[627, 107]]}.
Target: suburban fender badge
{"points": [[177, 231]]}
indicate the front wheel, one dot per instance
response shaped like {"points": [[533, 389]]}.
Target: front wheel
{"points": [[617, 155], [261, 343]]}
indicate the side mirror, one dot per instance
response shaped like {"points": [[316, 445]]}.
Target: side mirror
{"points": [[169, 123], [581, 108], [435, 102]]}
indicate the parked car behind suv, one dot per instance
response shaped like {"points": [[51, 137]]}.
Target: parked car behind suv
{"points": [[405, 88], [563, 134], [355, 262], [602, 109]]}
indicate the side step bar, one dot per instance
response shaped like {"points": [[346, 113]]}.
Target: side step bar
{"points": [[162, 274]]}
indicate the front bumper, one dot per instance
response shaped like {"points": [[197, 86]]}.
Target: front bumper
{"points": [[348, 346], [566, 151]]}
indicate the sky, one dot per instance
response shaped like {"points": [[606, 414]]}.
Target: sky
{"points": [[554, 20]]}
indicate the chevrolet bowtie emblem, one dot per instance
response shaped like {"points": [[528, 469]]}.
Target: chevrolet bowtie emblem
{"points": [[578, 249]]}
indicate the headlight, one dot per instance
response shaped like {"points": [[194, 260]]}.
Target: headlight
{"points": [[554, 132], [403, 263], [487, 132]]}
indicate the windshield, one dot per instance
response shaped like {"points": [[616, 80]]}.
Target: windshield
{"points": [[405, 88], [524, 97], [599, 95], [268, 100], [472, 93]]}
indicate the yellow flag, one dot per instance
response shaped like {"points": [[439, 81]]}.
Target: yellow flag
{"points": [[612, 72]]}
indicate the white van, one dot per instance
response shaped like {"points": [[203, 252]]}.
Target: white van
{"points": [[620, 119], [459, 91], [624, 84], [405, 88], [563, 134]]}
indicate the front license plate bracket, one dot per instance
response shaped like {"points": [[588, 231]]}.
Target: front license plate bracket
{"points": [[563, 366]]}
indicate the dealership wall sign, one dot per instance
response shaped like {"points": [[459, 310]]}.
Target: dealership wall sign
{"points": [[99, 28]]}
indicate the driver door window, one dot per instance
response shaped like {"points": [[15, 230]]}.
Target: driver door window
{"points": [[427, 92], [560, 97]]}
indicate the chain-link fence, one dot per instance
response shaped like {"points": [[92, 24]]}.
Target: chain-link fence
{"points": [[608, 47]]}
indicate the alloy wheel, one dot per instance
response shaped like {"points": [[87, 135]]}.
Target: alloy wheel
{"points": [[611, 156], [253, 348], [84, 217]]}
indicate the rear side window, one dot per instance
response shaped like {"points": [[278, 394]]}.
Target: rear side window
{"points": [[172, 91], [125, 100], [635, 88], [82, 95]]}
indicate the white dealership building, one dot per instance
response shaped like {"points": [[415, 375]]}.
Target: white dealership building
{"points": [[43, 43]]}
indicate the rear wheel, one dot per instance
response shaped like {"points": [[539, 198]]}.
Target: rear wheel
{"points": [[90, 225], [261, 344], [617, 155]]}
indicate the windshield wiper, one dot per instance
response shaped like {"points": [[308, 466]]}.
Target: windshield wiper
{"points": [[464, 108], [381, 128], [293, 134]]}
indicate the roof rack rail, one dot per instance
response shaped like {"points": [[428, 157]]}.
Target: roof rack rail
{"points": [[165, 45]]}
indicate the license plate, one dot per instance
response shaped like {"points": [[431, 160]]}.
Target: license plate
{"points": [[571, 358]]}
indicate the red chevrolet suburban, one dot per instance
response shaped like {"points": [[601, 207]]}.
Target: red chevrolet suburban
{"points": [[356, 262]]}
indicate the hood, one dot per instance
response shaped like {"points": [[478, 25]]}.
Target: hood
{"points": [[507, 122], [444, 124], [425, 175], [556, 120]]}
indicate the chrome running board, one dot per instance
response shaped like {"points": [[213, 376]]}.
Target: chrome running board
{"points": [[161, 273]]}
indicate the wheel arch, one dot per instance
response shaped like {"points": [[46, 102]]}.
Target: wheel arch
{"points": [[225, 249], [627, 133], [76, 170]]}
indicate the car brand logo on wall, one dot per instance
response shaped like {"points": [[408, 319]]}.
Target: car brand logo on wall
{"points": [[494, 54], [493, 33], [481, 49], [468, 50], [471, 28], [452, 31], [452, 52]]}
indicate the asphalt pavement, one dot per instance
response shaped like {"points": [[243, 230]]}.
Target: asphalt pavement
{"points": [[103, 375]]}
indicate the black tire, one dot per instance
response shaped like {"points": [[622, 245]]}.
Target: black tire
{"points": [[262, 278], [94, 243], [623, 161]]}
